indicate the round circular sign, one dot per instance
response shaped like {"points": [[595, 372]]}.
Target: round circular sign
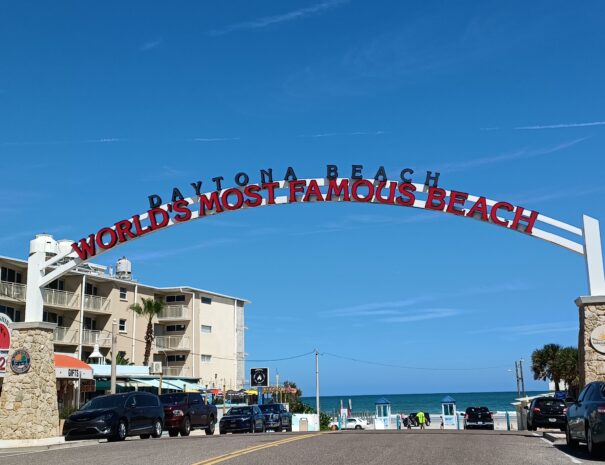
{"points": [[20, 361], [597, 339], [5, 333]]}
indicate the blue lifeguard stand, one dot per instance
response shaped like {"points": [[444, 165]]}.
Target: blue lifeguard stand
{"points": [[383, 411], [448, 412]]}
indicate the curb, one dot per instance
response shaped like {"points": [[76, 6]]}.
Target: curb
{"points": [[553, 437]]}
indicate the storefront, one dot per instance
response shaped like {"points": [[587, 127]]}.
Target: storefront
{"points": [[74, 380]]}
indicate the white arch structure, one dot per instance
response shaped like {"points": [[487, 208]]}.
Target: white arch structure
{"points": [[584, 240]]}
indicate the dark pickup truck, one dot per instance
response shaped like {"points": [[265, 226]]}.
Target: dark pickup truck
{"points": [[478, 417], [184, 411]]}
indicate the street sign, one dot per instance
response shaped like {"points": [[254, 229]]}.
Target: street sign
{"points": [[259, 377]]}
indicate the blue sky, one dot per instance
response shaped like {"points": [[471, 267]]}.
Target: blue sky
{"points": [[103, 104]]}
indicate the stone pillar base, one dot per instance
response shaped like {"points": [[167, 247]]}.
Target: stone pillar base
{"points": [[591, 363], [28, 404]]}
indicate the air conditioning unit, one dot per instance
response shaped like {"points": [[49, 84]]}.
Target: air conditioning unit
{"points": [[155, 368]]}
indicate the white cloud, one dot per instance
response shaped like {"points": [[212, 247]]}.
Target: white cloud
{"points": [[516, 155], [562, 125], [150, 45], [334, 134], [289, 16], [214, 139]]}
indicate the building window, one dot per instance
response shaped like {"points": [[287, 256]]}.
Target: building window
{"points": [[122, 293], [51, 317], [175, 298], [175, 358], [10, 275], [57, 285], [91, 290], [206, 358], [206, 329], [175, 328], [12, 313], [206, 300], [90, 323], [122, 325]]}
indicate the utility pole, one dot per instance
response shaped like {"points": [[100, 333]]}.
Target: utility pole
{"points": [[521, 375], [317, 384], [114, 343], [517, 378]]}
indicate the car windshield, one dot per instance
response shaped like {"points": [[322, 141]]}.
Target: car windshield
{"points": [[477, 410], [104, 402], [240, 411], [169, 399], [269, 408]]}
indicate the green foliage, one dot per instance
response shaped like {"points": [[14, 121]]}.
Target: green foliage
{"points": [[296, 406], [150, 309], [65, 412], [324, 421], [556, 363]]}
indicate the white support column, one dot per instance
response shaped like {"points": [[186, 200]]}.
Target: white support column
{"points": [[82, 293], [134, 322], [594, 256], [34, 303]]}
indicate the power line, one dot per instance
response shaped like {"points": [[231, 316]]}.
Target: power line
{"points": [[391, 365]]}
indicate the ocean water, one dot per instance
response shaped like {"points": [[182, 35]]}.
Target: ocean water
{"points": [[406, 403]]}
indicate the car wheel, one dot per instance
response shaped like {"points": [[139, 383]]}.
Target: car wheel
{"points": [[121, 431], [357, 426], [157, 428], [571, 442], [145, 436], [210, 428], [173, 433], [186, 427]]}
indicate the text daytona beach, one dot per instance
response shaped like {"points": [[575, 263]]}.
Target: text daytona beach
{"points": [[331, 188]]}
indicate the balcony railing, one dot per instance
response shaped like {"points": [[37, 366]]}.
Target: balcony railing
{"points": [[13, 290], [174, 312], [96, 303], [172, 343], [175, 371], [60, 298], [91, 337], [66, 336]]}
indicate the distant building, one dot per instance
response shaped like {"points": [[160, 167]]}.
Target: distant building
{"points": [[198, 336]]}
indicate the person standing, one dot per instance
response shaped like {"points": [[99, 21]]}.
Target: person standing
{"points": [[421, 419]]}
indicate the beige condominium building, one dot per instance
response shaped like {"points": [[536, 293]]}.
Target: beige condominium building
{"points": [[199, 335]]}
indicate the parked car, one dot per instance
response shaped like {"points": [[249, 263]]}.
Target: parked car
{"points": [[478, 417], [185, 411], [277, 417], [349, 423], [412, 420], [117, 416], [248, 418], [586, 418], [546, 412]]}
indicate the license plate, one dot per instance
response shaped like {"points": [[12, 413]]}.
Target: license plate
{"points": [[552, 420], [480, 422]]}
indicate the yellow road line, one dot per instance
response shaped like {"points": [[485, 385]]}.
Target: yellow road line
{"points": [[249, 450]]}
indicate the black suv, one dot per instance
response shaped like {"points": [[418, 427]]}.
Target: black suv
{"points": [[277, 417], [116, 416], [478, 417], [546, 412]]}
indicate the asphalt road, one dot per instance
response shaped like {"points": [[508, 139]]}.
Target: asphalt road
{"points": [[432, 447]]}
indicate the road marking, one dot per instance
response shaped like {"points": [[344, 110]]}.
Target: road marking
{"points": [[249, 450], [552, 444]]}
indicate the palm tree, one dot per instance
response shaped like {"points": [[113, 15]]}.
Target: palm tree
{"points": [[150, 309], [567, 365], [544, 364]]}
